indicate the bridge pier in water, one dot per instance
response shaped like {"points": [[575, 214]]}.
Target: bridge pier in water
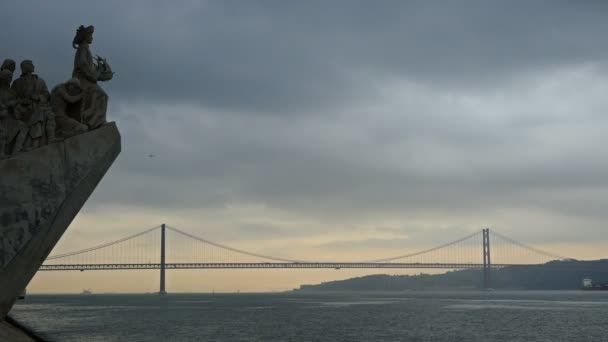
{"points": [[162, 260], [487, 264]]}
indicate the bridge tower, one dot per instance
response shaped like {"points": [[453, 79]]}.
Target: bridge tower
{"points": [[162, 260], [487, 264]]}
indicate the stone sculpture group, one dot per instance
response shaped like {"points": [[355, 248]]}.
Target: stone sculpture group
{"points": [[31, 116]]}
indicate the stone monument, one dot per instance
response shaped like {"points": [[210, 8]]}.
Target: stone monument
{"points": [[54, 149]]}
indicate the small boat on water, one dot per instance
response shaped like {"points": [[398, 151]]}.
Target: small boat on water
{"points": [[86, 292]]}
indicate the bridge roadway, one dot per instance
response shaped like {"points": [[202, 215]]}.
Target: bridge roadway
{"points": [[263, 265]]}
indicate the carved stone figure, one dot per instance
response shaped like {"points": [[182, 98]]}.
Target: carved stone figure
{"points": [[12, 130], [47, 119], [66, 96], [89, 72], [31, 117], [29, 87], [9, 64], [33, 106], [3, 132]]}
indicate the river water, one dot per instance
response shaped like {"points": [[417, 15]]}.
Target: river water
{"points": [[307, 317]]}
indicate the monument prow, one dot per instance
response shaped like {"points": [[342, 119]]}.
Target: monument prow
{"points": [[41, 191]]}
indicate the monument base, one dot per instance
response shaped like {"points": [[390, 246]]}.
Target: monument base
{"points": [[11, 330], [41, 191]]}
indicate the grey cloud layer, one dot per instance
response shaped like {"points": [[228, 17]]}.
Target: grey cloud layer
{"points": [[280, 56], [378, 109]]}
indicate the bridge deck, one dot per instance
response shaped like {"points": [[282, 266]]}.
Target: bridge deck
{"points": [[334, 265]]}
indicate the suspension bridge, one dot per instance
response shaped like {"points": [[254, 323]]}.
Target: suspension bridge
{"points": [[164, 247]]}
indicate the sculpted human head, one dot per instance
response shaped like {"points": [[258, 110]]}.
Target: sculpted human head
{"points": [[84, 35], [8, 64], [73, 86], [27, 66], [5, 77]]}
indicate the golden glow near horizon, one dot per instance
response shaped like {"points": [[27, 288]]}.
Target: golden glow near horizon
{"points": [[301, 239]]}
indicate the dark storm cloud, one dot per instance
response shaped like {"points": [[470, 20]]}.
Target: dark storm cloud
{"points": [[287, 56], [379, 109], [309, 164]]}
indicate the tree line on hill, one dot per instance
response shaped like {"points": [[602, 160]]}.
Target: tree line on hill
{"points": [[554, 275]]}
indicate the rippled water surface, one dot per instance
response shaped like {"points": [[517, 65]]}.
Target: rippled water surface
{"points": [[387, 316]]}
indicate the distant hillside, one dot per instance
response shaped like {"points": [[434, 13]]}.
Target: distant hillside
{"points": [[555, 275]]}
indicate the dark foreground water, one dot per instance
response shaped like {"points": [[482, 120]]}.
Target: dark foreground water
{"points": [[387, 316]]}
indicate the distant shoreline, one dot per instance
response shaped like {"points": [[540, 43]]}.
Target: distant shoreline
{"points": [[555, 275]]}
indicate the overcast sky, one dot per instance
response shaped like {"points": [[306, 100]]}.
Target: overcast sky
{"points": [[300, 128]]}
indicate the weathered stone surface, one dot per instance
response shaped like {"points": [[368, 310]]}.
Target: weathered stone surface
{"points": [[11, 333], [40, 194]]}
